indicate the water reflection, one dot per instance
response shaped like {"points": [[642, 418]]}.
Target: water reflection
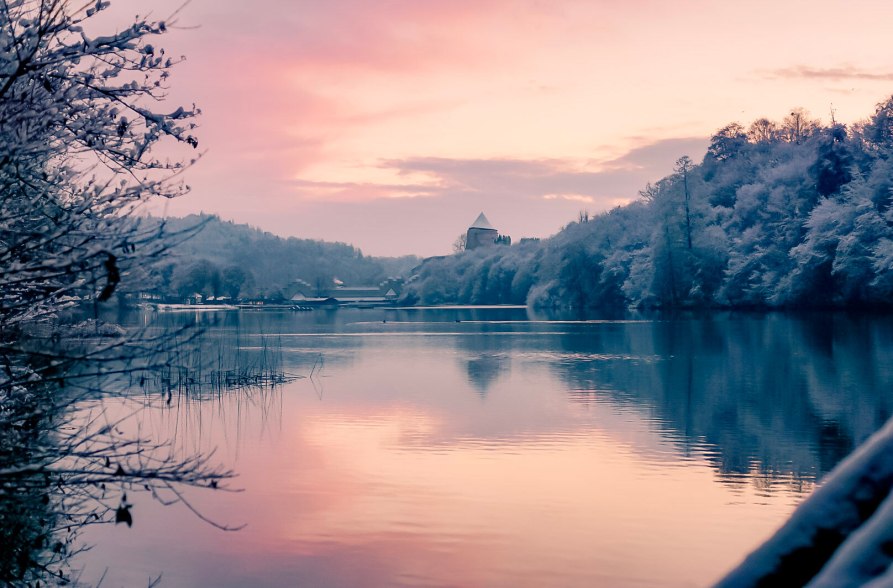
{"points": [[771, 394], [31, 538], [483, 357], [428, 451], [779, 394], [484, 370]]}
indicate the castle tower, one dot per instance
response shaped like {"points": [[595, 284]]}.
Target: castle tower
{"points": [[480, 234]]}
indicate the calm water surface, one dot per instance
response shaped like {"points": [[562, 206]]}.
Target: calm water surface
{"points": [[460, 447]]}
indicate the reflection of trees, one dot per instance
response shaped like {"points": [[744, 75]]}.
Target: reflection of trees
{"points": [[27, 521], [72, 468], [483, 357], [27, 538], [484, 370], [245, 334], [73, 449], [780, 395]]}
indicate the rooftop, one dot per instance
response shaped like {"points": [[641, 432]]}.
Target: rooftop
{"points": [[481, 223]]}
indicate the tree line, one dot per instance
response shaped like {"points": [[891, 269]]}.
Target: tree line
{"points": [[779, 214], [226, 259]]}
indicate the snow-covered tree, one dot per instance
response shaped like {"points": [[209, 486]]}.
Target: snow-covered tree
{"points": [[81, 121], [82, 148], [785, 214]]}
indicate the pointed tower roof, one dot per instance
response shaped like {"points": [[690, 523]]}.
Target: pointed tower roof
{"points": [[481, 223]]}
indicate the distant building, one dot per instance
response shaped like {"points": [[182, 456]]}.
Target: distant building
{"points": [[386, 293], [480, 234]]}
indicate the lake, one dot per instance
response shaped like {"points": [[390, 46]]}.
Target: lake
{"points": [[494, 447]]}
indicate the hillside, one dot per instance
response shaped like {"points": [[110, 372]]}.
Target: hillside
{"points": [[779, 214], [236, 260]]}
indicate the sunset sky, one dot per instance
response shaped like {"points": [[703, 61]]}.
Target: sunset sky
{"points": [[391, 124]]}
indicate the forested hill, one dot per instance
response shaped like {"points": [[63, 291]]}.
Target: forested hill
{"points": [[224, 258], [778, 214]]}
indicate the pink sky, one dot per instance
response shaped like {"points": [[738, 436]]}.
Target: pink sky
{"points": [[391, 124]]}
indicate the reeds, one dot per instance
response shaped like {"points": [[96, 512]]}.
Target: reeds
{"points": [[209, 365]]}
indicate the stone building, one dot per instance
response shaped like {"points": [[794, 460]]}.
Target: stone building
{"points": [[480, 234]]}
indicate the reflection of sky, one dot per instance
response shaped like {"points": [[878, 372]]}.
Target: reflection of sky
{"points": [[392, 469], [366, 492]]}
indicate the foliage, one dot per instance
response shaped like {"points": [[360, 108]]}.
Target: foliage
{"points": [[783, 214], [79, 130], [82, 131], [459, 243], [235, 260]]}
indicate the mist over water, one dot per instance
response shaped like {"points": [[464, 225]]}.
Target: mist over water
{"points": [[491, 447]]}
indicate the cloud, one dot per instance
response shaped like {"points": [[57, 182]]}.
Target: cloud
{"points": [[658, 155], [521, 197], [361, 191], [566, 179], [572, 197], [837, 74], [420, 204]]}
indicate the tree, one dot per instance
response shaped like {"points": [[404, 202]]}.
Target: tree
{"points": [[649, 193], [683, 168], [200, 277], [798, 126], [878, 130], [459, 243], [833, 162], [233, 279], [727, 142], [762, 130], [81, 125]]}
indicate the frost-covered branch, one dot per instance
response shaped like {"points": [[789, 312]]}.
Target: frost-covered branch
{"points": [[85, 142], [80, 124]]}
